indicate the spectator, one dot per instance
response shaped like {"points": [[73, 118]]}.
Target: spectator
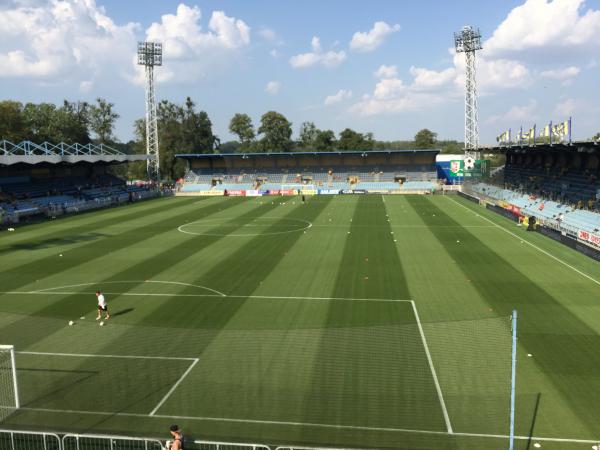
{"points": [[178, 440]]}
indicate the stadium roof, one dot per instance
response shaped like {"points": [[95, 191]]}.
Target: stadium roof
{"points": [[28, 152], [336, 153]]}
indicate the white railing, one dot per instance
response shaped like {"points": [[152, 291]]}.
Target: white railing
{"points": [[293, 447], [28, 440], [213, 445], [106, 442]]}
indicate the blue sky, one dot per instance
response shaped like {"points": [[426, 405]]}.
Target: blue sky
{"points": [[379, 66]]}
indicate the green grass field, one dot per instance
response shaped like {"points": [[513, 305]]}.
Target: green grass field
{"points": [[351, 321]]}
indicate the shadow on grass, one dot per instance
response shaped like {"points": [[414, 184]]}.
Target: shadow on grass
{"points": [[53, 242], [122, 312]]}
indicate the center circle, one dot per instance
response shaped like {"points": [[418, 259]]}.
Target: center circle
{"points": [[232, 226]]}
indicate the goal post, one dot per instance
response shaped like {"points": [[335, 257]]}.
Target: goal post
{"points": [[9, 392]]}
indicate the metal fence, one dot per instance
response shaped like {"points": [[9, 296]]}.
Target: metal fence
{"points": [[211, 445], [28, 440], [105, 442]]}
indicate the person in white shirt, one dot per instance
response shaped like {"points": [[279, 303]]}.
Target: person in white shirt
{"points": [[102, 306]]}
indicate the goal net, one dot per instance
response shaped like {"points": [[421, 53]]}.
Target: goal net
{"points": [[9, 397]]}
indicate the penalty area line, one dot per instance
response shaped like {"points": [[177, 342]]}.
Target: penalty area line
{"points": [[177, 383], [309, 424], [433, 372], [84, 355]]}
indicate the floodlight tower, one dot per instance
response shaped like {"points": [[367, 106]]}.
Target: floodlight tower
{"points": [[149, 56], [468, 41]]}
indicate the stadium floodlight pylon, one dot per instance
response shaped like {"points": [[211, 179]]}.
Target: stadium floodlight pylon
{"points": [[149, 56], [468, 41]]}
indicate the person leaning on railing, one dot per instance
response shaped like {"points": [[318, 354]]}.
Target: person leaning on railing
{"points": [[178, 441]]}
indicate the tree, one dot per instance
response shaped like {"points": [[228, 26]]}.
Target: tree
{"points": [[102, 120], [40, 123], [231, 147], [72, 123], [308, 135], [324, 141], [196, 129], [452, 147], [596, 137], [276, 131], [351, 140], [12, 122], [241, 125], [425, 139]]}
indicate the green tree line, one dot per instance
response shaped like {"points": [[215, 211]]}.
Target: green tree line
{"points": [[184, 129]]}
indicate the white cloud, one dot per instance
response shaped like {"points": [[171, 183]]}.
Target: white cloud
{"points": [[430, 88], [492, 74], [86, 86], [521, 114], [74, 41], [267, 34], [566, 108], [317, 57], [273, 87], [367, 41], [425, 78], [543, 24], [62, 40], [340, 96], [401, 101], [275, 53], [386, 71], [561, 74], [500, 74], [189, 51]]}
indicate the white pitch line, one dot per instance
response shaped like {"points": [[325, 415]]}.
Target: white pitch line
{"points": [[404, 226], [267, 297], [433, 373], [164, 399], [309, 424], [593, 280], [178, 283], [83, 355]]}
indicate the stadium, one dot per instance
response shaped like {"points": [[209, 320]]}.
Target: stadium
{"points": [[272, 293]]}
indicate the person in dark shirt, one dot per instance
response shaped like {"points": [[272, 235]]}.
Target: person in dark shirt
{"points": [[177, 442]]}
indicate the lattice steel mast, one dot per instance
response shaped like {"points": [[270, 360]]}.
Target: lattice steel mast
{"points": [[149, 56], [468, 41]]}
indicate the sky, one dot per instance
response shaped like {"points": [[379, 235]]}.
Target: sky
{"points": [[386, 67]]}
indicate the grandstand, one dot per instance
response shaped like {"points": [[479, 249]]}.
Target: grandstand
{"points": [[49, 180], [366, 171]]}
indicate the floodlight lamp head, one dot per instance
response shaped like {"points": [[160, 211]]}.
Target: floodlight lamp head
{"points": [[467, 40], [149, 53]]}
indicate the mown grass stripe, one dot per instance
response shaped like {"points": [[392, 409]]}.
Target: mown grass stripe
{"points": [[370, 267], [21, 275], [242, 272], [65, 306], [49, 234], [505, 288]]}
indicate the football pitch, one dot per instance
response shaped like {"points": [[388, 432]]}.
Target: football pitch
{"points": [[348, 321]]}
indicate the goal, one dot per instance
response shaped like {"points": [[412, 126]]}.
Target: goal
{"points": [[9, 394]]}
